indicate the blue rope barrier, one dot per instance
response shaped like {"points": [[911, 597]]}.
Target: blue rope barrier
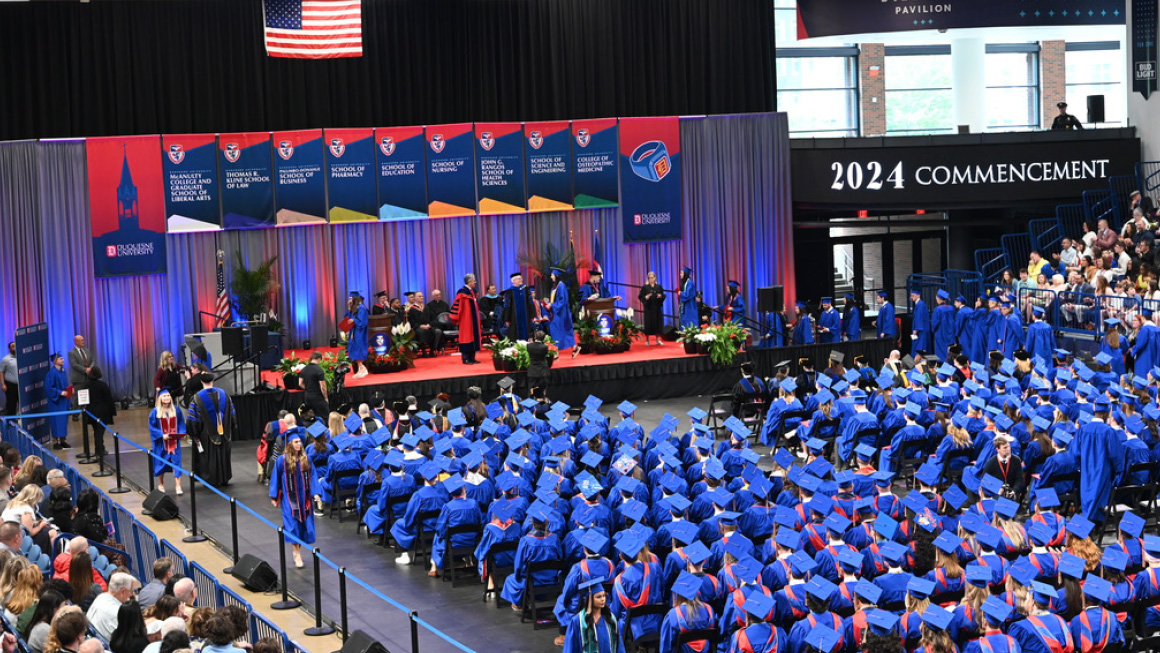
{"points": [[441, 634]]}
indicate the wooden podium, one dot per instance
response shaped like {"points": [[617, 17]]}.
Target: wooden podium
{"points": [[602, 306], [381, 323]]}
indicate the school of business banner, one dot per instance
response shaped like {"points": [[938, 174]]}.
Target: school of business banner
{"points": [[192, 199], [31, 367], [127, 205], [350, 175], [402, 173], [549, 162], [299, 192], [594, 180], [450, 170], [1144, 21], [833, 17], [246, 180], [499, 166], [650, 178]]}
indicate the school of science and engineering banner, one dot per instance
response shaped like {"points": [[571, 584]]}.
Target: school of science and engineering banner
{"points": [[246, 180], [650, 179], [549, 165], [499, 165], [192, 198], [126, 205], [402, 156], [350, 175], [450, 170], [840, 17], [300, 191], [31, 367]]}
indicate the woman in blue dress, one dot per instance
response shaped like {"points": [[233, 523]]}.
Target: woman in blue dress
{"points": [[166, 426], [290, 488], [560, 327], [57, 391], [358, 344], [593, 628]]}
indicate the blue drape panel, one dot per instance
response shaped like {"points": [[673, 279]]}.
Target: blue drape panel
{"points": [[736, 224]]}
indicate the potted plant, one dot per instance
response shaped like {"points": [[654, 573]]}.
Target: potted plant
{"points": [[330, 364], [619, 339], [688, 338], [720, 341], [252, 291], [495, 347], [289, 367]]}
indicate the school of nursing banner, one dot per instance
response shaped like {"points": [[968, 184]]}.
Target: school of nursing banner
{"points": [[189, 168], [127, 205], [650, 179], [549, 165], [499, 167], [31, 367], [402, 156], [594, 181], [299, 186], [450, 170], [352, 195], [246, 180]]}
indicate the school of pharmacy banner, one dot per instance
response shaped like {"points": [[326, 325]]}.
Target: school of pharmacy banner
{"points": [[499, 178], [127, 205], [31, 367], [833, 17], [350, 175], [450, 170], [1144, 21], [247, 180], [299, 193], [192, 199], [650, 179], [402, 159]]}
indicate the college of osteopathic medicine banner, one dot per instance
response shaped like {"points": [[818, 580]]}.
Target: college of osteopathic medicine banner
{"points": [[126, 205], [192, 198], [596, 158], [650, 179]]}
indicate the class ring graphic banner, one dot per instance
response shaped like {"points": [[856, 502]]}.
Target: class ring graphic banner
{"points": [[650, 179], [127, 205]]}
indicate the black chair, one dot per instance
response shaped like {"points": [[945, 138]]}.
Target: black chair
{"points": [[450, 332], [396, 507], [753, 415], [1068, 501], [954, 456], [1139, 498], [364, 494], [454, 573], [710, 635], [649, 641], [424, 537], [538, 598], [495, 573], [720, 408], [340, 495], [788, 415]]}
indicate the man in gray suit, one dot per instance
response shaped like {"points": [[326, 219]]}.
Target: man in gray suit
{"points": [[80, 363]]}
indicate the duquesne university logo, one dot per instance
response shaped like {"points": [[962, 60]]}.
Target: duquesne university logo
{"points": [[285, 149], [486, 140], [387, 145], [536, 140], [233, 152], [437, 143], [337, 147], [583, 137], [176, 153]]}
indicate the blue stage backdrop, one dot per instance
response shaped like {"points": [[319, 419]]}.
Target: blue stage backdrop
{"points": [[735, 224]]}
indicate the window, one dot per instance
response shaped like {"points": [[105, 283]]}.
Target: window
{"points": [[1096, 68], [918, 90], [1012, 78], [819, 92]]}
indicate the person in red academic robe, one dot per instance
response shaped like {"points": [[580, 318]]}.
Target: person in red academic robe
{"points": [[465, 314]]}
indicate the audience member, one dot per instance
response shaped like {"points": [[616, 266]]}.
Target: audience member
{"points": [[24, 593], [25, 470], [67, 631], [105, 608], [267, 645], [80, 576], [186, 591], [36, 633], [63, 563], [173, 637], [162, 572], [87, 521], [220, 634], [11, 536], [130, 635]]}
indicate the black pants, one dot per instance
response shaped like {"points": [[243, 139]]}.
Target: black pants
{"points": [[98, 438], [319, 405], [431, 338], [11, 399]]}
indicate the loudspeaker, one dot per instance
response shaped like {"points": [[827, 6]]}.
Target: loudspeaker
{"points": [[233, 343], [256, 574], [669, 332], [1095, 108], [160, 505], [259, 338], [360, 642], [771, 299]]}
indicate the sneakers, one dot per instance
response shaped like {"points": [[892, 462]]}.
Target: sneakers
{"points": [[559, 641], [298, 560], [404, 559], [65, 445], [178, 491]]}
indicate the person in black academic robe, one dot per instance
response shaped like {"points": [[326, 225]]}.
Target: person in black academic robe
{"points": [[652, 298], [430, 338], [518, 309], [211, 424]]}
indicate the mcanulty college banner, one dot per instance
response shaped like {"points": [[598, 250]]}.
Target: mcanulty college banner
{"points": [[192, 200], [450, 170], [402, 173], [549, 165], [650, 178], [500, 168], [594, 179], [127, 205], [31, 367], [299, 191], [350, 175], [246, 180]]}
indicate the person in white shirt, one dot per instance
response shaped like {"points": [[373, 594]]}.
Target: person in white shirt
{"points": [[103, 612], [1123, 260], [1068, 256]]}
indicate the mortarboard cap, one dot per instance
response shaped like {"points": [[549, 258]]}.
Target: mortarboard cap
{"points": [[1080, 526], [759, 605], [997, 610], [1131, 524], [821, 638], [1071, 566], [1115, 559], [868, 591], [687, 586]]}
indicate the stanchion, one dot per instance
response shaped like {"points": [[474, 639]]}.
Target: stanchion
{"points": [[319, 628], [120, 489], [414, 631], [233, 534], [86, 458], [103, 469], [286, 603], [342, 602], [149, 471], [194, 535]]}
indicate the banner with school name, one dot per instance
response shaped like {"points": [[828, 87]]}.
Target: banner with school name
{"points": [[450, 170], [595, 156], [126, 205], [246, 180], [299, 188], [499, 156], [402, 157], [190, 174], [32, 365], [350, 175], [549, 165], [650, 179]]}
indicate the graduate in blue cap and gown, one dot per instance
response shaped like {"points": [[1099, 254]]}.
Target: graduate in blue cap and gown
{"points": [[688, 613], [995, 327], [829, 322], [1114, 344], [1101, 459], [803, 328], [1146, 350], [758, 635], [1040, 337], [734, 310], [885, 322], [920, 323], [430, 497], [396, 483], [290, 489], [592, 566], [1013, 334], [594, 629], [1096, 628], [965, 327], [166, 426], [995, 614], [942, 324], [560, 326], [358, 341], [851, 320], [1042, 631], [459, 511], [502, 527], [641, 583], [57, 392], [687, 297], [537, 546]]}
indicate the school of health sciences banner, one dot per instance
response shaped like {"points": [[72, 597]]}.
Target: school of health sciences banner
{"points": [[142, 187]]}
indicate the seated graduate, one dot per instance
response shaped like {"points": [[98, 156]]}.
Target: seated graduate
{"points": [[538, 545], [430, 497], [461, 510]]}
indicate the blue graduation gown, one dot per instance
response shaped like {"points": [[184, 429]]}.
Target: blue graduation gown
{"points": [[295, 502], [1096, 627], [576, 635], [887, 327], [688, 300], [457, 512], [1101, 459], [532, 548], [163, 456], [571, 598], [682, 619], [831, 320], [978, 330], [797, 634], [996, 643], [393, 486], [1013, 336], [1146, 348], [758, 638], [1116, 354], [642, 583], [737, 303], [921, 326], [1040, 340], [996, 328], [943, 327], [1032, 633], [803, 330], [405, 528], [358, 343], [560, 328], [852, 324], [495, 533], [56, 382], [964, 329]]}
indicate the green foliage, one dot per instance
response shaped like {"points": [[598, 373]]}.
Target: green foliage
{"points": [[251, 290]]}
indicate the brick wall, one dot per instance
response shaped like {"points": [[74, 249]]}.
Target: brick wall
{"points": [[1053, 78], [872, 80]]}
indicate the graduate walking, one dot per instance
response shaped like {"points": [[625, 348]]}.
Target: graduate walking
{"points": [[290, 489]]}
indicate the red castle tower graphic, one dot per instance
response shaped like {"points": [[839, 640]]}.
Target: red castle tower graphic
{"points": [[128, 210]]}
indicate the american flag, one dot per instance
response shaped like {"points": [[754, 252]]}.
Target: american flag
{"points": [[222, 310], [313, 29]]}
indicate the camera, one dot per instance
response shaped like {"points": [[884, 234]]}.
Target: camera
{"points": [[342, 369]]}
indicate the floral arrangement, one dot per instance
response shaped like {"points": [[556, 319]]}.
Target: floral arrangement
{"points": [[515, 352], [400, 355], [330, 364], [720, 341], [289, 365], [623, 332]]}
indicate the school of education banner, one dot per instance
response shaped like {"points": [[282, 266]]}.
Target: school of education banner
{"points": [[246, 180], [499, 166], [450, 170], [127, 205], [549, 166], [594, 179], [299, 190], [31, 367], [402, 155], [192, 198], [350, 175], [650, 179]]}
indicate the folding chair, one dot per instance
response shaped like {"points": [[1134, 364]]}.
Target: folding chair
{"points": [[454, 573], [424, 537], [650, 640], [396, 506], [364, 494], [497, 574], [540, 597], [340, 495]]}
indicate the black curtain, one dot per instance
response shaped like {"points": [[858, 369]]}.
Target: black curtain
{"points": [[131, 67]]}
